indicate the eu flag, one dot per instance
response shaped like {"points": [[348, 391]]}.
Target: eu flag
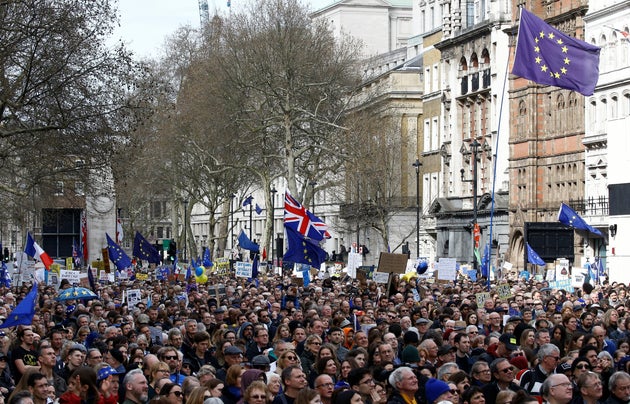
{"points": [[144, 250], [24, 311], [117, 255], [548, 56], [207, 262], [533, 257], [246, 243], [303, 250], [569, 217]]}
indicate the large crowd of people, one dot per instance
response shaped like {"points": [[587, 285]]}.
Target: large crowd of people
{"points": [[336, 341]]}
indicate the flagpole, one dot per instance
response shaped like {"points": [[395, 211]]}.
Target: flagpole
{"points": [[20, 263], [496, 156]]}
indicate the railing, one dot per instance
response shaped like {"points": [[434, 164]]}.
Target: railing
{"points": [[592, 206]]}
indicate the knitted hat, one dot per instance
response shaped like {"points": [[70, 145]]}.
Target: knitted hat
{"points": [[410, 355], [435, 388], [520, 362]]}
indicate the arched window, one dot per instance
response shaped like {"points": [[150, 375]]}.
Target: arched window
{"points": [[614, 106], [485, 67], [474, 61], [463, 73], [522, 108], [474, 77]]}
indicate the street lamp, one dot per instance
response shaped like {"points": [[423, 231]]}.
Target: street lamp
{"points": [[185, 201], [474, 150], [417, 164], [312, 184], [232, 196], [273, 222]]}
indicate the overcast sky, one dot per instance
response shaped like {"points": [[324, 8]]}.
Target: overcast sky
{"points": [[146, 23]]}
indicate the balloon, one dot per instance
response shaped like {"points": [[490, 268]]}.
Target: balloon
{"points": [[199, 271], [408, 276], [422, 267], [202, 279]]}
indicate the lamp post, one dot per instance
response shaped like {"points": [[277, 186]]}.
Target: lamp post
{"points": [[474, 150], [312, 184], [231, 232], [417, 164], [251, 228], [185, 201], [273, 223]]}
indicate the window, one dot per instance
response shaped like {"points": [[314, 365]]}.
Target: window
{"points": [[435, 77], [427, 136], [58, 188], [79, 188], [60, 228], [435, 133]]}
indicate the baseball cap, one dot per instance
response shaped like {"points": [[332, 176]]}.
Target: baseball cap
{"points": [[509, 340], [444, 349], [105, 372]]}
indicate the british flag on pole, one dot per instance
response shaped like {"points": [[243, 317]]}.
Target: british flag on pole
{"points": [[303, 221]]}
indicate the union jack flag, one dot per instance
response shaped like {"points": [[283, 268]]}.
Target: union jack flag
{"points": [[301, 220]]}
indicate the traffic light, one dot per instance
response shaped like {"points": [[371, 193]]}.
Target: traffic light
{"points": [[172, 250]]}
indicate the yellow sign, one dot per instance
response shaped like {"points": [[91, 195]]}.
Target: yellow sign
{"points": [[221, 266], [55, 268], [100, 265], [69, 264], [142, 277], [504, 291], [481, 298]]}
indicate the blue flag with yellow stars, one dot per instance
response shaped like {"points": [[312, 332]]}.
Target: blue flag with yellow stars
{"points": [[533, 257], [548, 56], [569, 217], [24, 311], [144, 250], [117, 255], [303, 250]]}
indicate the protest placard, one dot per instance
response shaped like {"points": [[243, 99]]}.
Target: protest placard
{"points": [[243, 269]]}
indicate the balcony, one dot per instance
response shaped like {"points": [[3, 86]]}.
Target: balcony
{"points": [[592, 206]]}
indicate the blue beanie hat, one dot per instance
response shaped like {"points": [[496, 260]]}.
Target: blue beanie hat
{"points": [[435, 388]]}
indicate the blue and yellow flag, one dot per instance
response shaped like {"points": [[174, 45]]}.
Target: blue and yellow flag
{"points": [[303, 250], [24, 311], [144, 250], [117, 255], [546, 55]]}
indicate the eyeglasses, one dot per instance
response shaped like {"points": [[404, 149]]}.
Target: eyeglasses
{"points": [[368, 381], [473, 332], [506, 370], [568, 385], [325, 385], [177, 393], [291, 358], [315, 343], [484, 371], [453, 391], [583, 366], [257, 397], [169, 357]]}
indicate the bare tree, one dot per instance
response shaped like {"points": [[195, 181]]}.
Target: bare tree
{"points": [[64, 94], [284, 83]]}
